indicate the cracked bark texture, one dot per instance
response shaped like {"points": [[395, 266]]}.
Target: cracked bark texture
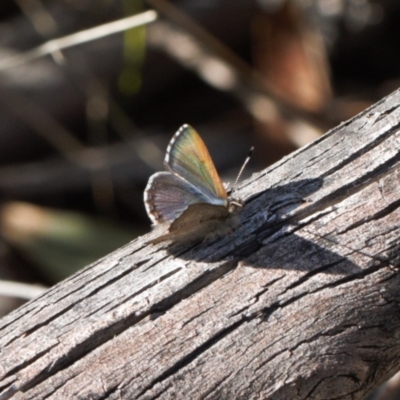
{"points": [[301, 302]]}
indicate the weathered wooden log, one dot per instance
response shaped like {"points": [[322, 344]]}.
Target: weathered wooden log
{"points": [[301, 302]]}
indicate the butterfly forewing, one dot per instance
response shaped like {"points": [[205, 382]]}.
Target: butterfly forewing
{"points": [[166, 197], [188, 157]]}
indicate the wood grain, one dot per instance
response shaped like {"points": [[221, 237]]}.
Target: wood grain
{"points": [[301, 302]]}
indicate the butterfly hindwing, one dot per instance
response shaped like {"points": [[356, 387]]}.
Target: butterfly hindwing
{"points": [[167, 196], [197, 214]]}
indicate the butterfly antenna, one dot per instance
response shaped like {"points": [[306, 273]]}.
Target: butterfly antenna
{"points": [[242, 169]]}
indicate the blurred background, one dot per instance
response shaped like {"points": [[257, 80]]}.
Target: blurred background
{"points": [[87, 108], [91, 91]]}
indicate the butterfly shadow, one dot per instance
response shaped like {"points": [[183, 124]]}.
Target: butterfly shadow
{"points": [[266, 237]]}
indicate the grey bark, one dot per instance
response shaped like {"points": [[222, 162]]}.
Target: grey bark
{"points": [[301, 302]]}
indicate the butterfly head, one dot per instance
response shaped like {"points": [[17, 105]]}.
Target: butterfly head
{"points": [[234, 205]]}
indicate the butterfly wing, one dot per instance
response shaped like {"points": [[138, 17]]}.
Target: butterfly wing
{"points": [[197, 214], [167, 196], [188, 157], [199, 221]]}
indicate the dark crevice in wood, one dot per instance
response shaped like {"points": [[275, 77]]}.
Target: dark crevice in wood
{"points": [[265, 362], [161, 392], [380, 214], [369, 122], [393, 254], [59, 299], [7, 387], [267, 312], [346, 190], [45, 322], [318, 157], [28, 362], [18, 317], [142, 262], [80, 280], [351, 377], [194, 354], [357, 154], [153, 264], [110, 391], [387, 279], [7, 382], [354, 277], [109, 281], [196, 285], [294, 299], [205, 311], [147, 287], [243, 309], [8, 393], [333, 332], [387, 112], [54, 388], [81, 350], [370, 327], [314, 272], [313, 389], [257, 296], [345, 124], [335, 241], [71, 306], [212, 391]]}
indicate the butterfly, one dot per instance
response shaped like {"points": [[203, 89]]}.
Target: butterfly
{"points": [[189, 201]]}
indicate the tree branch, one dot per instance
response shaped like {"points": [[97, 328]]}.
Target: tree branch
{"points": [[301, 302]]}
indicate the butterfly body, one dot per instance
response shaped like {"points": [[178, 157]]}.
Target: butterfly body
{"points": [[188, 201]]}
